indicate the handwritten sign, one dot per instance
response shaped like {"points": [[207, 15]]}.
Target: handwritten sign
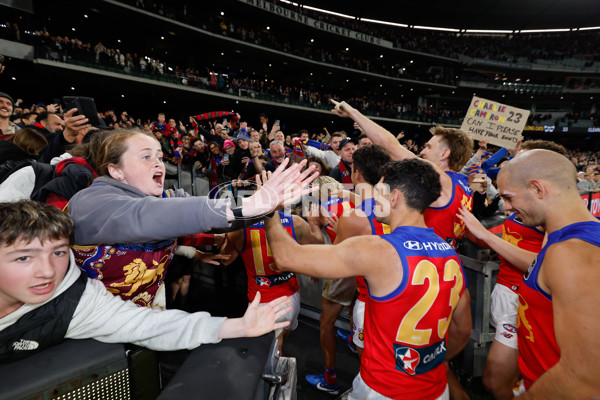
{"points": [[497, 123]]}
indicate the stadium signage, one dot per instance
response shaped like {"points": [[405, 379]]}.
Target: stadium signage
{"points": [[324, 26], [595, 204], [499, 124], [586, 200], [560, 129]]}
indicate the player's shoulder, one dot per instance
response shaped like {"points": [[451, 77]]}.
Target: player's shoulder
{"points": [[374, 244], [298, 220], [573, 242], [571, 250], [572, 262], [355, 219]]}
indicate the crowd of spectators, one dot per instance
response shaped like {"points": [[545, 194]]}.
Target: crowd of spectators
{"points": [[567, 119], [66, 49], [508, 48], [221, 148], [70, 49], [179, 136]]}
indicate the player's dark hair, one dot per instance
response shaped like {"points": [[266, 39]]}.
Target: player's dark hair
{"points": [[369, 161], [416, 179]]}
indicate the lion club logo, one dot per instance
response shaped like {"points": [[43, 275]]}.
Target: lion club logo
{"points": [[408, 359], [260, 281], [522, 322]]}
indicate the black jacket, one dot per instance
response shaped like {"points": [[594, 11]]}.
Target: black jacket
{"points": [[43, 327]]}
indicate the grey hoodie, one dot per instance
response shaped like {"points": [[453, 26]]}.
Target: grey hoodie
{"points": [[110, 211]]}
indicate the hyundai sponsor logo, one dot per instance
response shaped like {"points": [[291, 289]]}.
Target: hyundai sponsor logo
{"points": [[416, 245], [413, 245]]}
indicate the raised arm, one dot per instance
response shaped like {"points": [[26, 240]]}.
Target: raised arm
{"points": [[304, 233], [518, 257], [377, 133], [232, 246], [255, 152]]}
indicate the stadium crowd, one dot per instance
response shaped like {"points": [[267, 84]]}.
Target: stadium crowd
{"points": [[507, 47], [63, 48], [53, 156]]}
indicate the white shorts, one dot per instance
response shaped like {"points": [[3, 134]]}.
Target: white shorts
{"points": [[362, 391], [504, 307], [340, 291], [358, 324], [520, 390], [291, 315]]}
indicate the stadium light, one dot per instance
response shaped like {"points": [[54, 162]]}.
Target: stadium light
{"points": [[487, 31], [317, 9], [384, 22], [544, 30], [435, 28]]}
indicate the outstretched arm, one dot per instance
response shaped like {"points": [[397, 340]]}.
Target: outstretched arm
{"points": [[380, 135], [282, 188], [257, 320], [518, 257], [377, 133], [321, 261]]}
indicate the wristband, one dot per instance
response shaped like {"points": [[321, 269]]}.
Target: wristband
{"points": [[237, 212]]}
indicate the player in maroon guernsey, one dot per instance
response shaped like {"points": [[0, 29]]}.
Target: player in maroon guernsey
{"points": [[417, 310], [251, 244]]}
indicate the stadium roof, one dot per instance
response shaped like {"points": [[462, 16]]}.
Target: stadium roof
{"points": [[468, 14]]}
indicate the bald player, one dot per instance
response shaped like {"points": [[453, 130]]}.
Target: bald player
{"points": [[558, 324], [448, 151], [517, 249], [417, 309]]}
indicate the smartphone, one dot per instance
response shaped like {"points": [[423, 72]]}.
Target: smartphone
{"points": [[85, 106], [277, 122]]}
